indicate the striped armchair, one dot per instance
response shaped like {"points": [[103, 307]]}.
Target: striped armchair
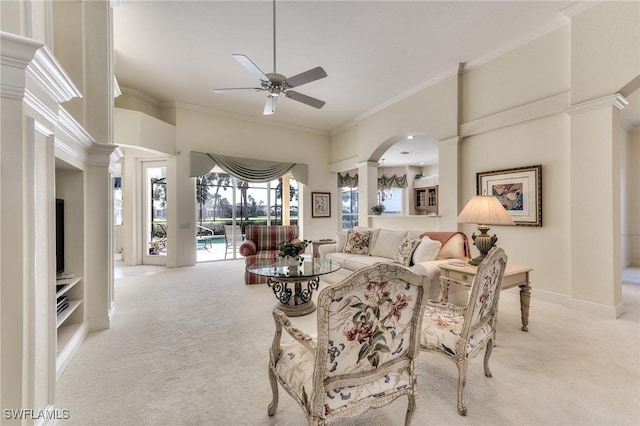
{"points": [[261, 243]]}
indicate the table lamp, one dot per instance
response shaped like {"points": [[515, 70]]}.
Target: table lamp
{"points": [[484, 210]]}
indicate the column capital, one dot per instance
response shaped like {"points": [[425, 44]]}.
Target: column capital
{"points": [[450, 141], [615, 100]]}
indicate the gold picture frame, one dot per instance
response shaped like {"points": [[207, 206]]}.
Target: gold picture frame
{"points": [[320, 204], [519, 191]]}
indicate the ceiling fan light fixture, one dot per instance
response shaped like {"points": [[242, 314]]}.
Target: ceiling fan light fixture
{"points": [[275, 83]]}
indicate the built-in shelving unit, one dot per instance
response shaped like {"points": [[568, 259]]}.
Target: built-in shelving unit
{"points": [[70, 319], [64, 317], [427, 200]]}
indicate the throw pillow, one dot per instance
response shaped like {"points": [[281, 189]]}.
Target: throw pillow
{"points": [[357, 242], [452, 249], [405, 251], [427, 250]]}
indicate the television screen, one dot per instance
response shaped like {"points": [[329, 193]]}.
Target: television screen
{"points": [[59, 235]]}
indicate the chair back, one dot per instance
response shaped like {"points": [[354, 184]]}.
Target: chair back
{"points": [[485, 292], [267, 237], [231, 232], [367, 331]]}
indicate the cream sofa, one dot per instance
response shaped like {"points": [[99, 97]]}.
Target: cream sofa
{"points": [[389, 246]]}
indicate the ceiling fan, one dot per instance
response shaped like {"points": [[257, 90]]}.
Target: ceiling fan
{"points": [[277, 84]]}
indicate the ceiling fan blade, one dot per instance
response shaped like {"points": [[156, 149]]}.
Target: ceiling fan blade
{"points": [[253, 68], [306, 77], [316, 103], [270, 105], [239, 90]]}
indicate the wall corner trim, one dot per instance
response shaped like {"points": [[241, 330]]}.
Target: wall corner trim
{"points": [[616, 100]]}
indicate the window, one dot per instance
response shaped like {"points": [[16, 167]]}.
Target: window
{"points": [[349, 207], [391, 198], [225, 200]]}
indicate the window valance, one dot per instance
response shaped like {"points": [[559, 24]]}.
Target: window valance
{"points": [[347, 181], [392, 181], [246, 168]]}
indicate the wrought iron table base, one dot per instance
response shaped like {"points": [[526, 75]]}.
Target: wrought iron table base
{"points": [[297, 301]]}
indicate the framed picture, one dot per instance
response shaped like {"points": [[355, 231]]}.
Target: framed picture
{"points": [[519, 191], [320, 204]]}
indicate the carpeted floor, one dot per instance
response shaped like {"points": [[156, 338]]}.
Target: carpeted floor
{"points": [[189, 346]]}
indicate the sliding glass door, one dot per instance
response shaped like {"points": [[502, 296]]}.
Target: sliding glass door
{"points": [[224, 200], [154, 235]]}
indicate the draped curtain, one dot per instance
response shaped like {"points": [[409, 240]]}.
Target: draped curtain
{"points": [[347, 181], [245, 168], [392, 181]]}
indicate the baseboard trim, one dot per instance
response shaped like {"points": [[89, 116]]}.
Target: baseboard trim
{"points": [[66, 354], [599, 310], [102, 323]]}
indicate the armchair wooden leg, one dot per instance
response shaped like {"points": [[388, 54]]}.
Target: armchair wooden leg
{"points": [[274, 390], [462, 378], [487, 355]]}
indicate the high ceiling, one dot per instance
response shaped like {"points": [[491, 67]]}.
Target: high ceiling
{"points": [[372, 51]]}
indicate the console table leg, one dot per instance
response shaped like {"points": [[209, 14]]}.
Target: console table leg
{"points": [[525, 300]]}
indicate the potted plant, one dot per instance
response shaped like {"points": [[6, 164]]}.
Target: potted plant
{"points": [[377, 209], [292, 249]]}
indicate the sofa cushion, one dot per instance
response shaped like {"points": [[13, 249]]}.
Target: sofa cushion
{"points": [[387, 243], [405, 250], [358, 242], [357, 262], [374, 233], [427, 250]]}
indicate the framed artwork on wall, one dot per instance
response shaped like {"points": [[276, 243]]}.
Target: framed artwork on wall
{"points": [[320, 204], [519, 191]]}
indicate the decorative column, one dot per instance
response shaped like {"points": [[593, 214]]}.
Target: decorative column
{"points": [[448, 154], [98, 236], [367, 190], [595, 188]]}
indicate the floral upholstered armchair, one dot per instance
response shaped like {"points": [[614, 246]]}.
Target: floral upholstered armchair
{"points": [[365, 350], [460, 332]]}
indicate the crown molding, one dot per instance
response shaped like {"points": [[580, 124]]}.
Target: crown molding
{"points": [[616, 100], [39, 107], [475, 63], [100, 155], [47, 72], [124, 90], [17, 51], [74, 130]]}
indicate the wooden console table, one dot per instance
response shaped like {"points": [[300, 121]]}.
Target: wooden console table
{"points": [[514, 275]]}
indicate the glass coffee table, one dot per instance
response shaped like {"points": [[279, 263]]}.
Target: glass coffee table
{"points": [[304, 277]]}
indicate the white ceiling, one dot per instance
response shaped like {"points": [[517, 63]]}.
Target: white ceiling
{"points": [[372, 51]]}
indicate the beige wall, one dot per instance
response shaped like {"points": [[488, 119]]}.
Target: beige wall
{"points": [[534, 71], [605, 49], [631, 232], [432, 111]]}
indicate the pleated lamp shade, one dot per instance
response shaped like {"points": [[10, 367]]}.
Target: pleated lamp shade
{"points": [[485, 210]]}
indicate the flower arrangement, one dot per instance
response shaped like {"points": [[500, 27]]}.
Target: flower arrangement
{"points": [[157, 244], [378, 209], [292, 248]]}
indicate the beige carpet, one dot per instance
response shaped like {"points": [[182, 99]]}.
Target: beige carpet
{"points": [[188, 346]]}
